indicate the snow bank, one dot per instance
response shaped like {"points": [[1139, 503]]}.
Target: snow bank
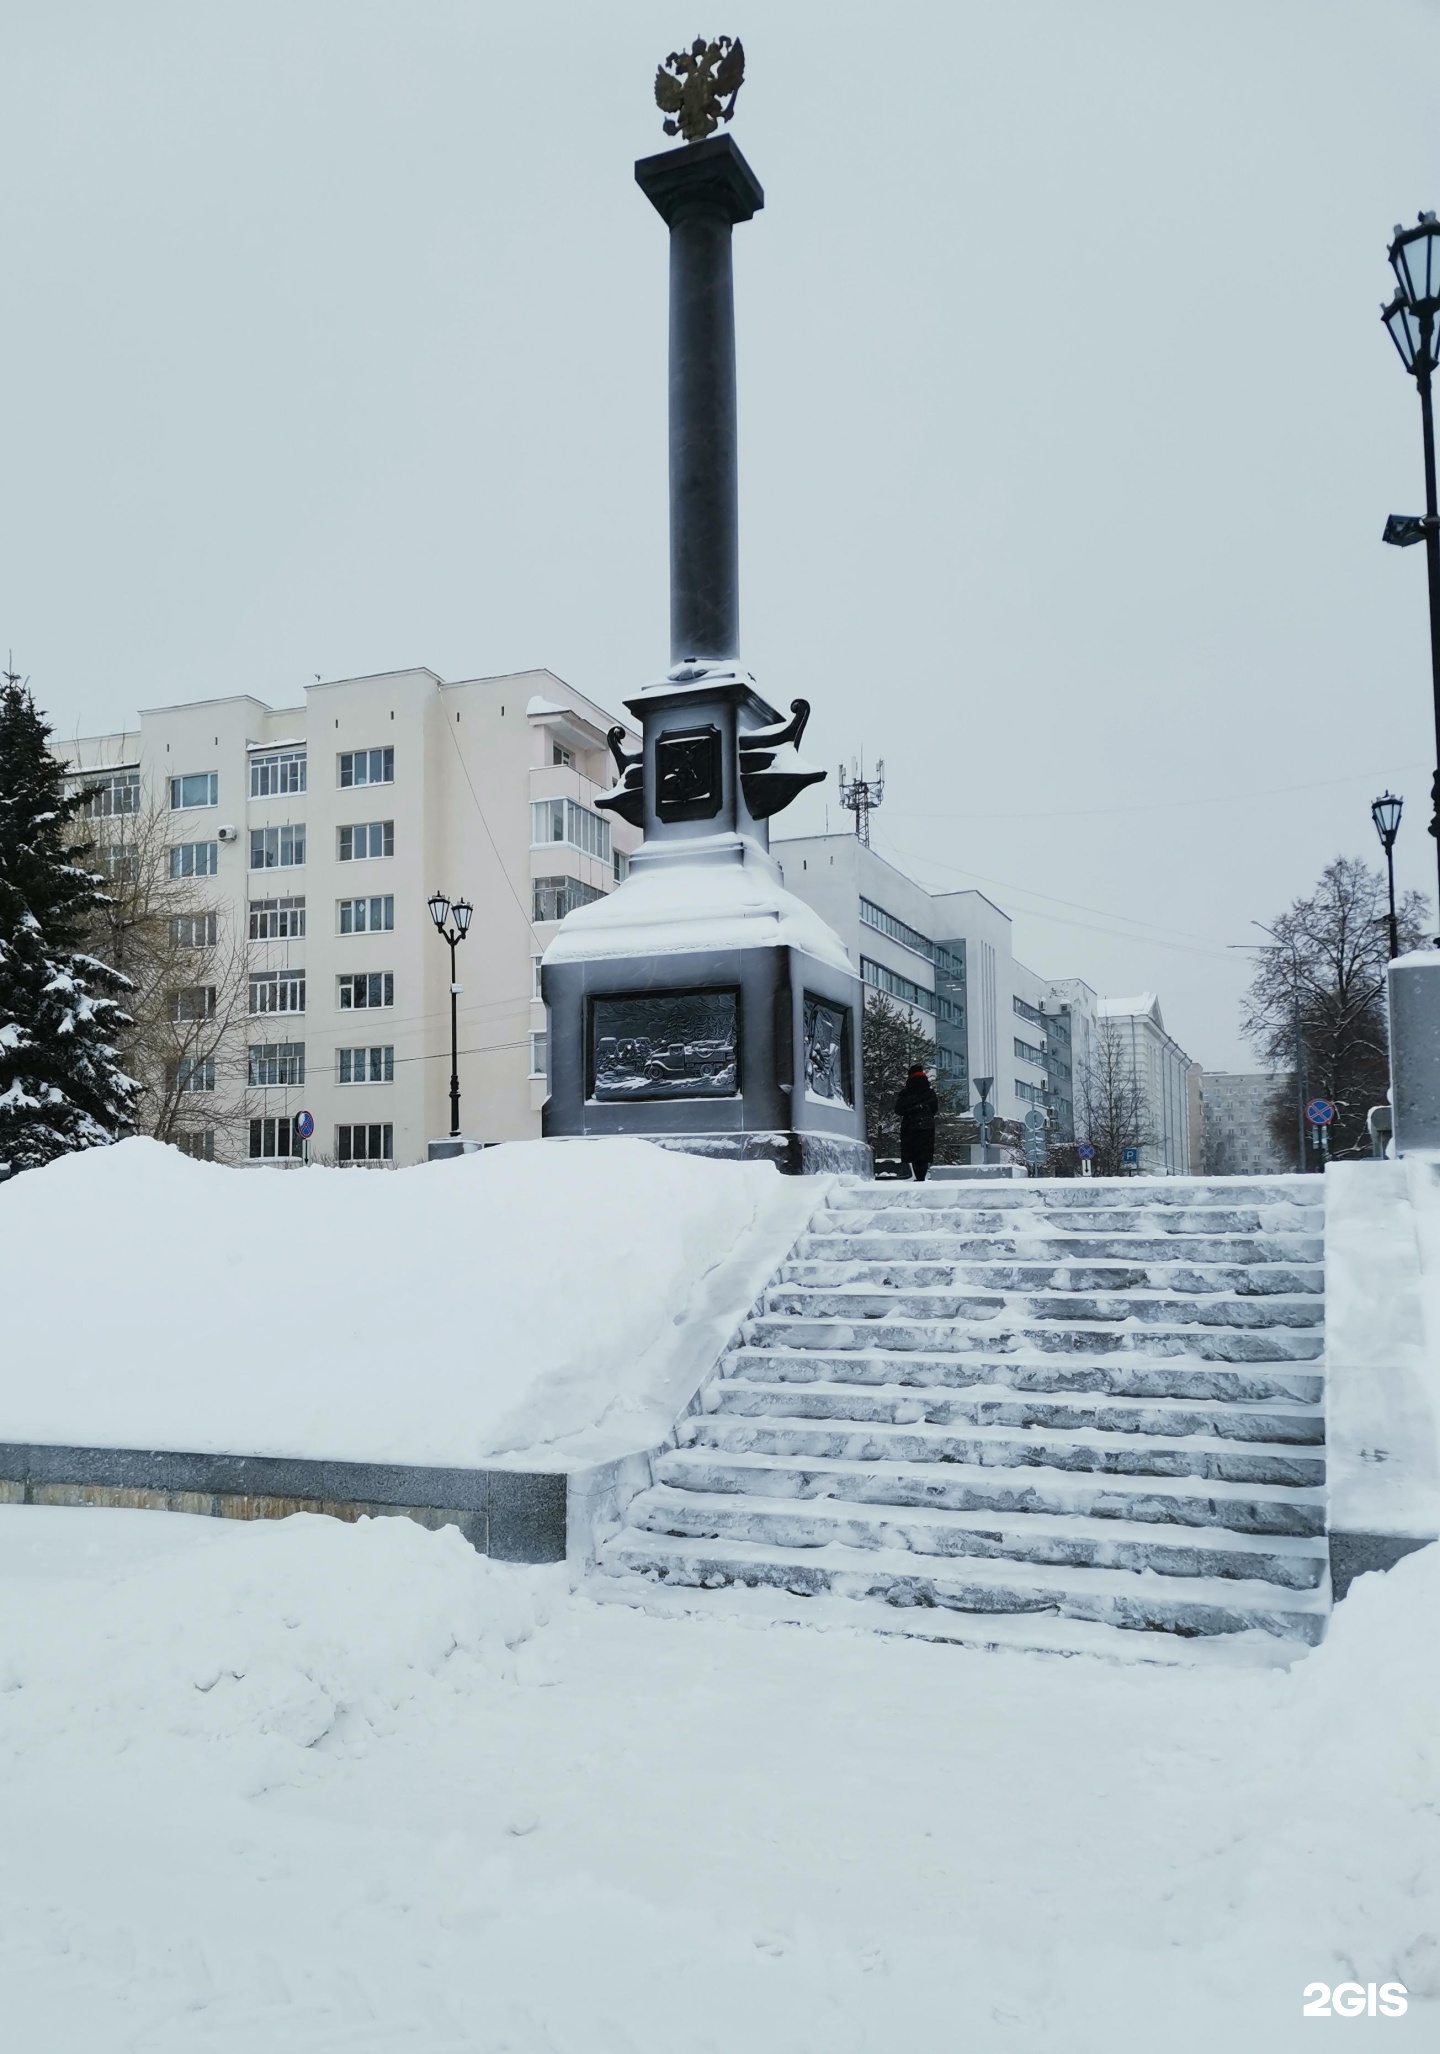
{"points": [[257, 1643], [313, 1785], [542, 1304]]}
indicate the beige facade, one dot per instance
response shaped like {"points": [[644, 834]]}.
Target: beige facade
{"points": [[320, 831]]}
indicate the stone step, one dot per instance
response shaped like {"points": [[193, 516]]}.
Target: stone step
{"points": [[1257, 1508], [1050, 1245], [1128, 1377], [1173, 1194], [1136, 1600], [1087, 1449], [801, 1301], [1012, 1334], [1292, 1562], [923, 1218], [1295, 1425], [1062, 1273]]}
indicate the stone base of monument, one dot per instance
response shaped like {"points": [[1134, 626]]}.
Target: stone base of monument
{"points": [[1414, 991], [702, 1006], [452, 1144]]}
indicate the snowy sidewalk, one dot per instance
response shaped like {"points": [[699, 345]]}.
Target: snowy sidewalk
{"points": [[312, 1786]]}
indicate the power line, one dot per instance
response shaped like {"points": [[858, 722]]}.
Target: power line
{"points": [[1170, 805]]}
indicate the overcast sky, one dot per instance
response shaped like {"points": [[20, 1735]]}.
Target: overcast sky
{"points": [[335, 339]]}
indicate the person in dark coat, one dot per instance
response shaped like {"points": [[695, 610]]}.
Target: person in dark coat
{"points": [[917, 1106]]}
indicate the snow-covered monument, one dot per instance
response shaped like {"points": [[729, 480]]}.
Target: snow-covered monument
{"points": [[700, 1003]]}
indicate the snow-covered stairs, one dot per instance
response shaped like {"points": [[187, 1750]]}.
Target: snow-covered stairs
{"points": [[1099, 1402]]}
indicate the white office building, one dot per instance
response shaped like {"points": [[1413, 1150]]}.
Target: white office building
{"points": [[316, 833], [947, 956], [1161, 1070]]}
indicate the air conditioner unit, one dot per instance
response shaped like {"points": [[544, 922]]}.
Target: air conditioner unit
{"points": [[228, 834]]}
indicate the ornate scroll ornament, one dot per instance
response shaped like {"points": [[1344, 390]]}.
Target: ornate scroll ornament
{"points": [[695, 89]]}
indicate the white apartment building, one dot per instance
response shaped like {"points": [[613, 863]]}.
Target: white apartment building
{"points": [[948, 957], [1162, 1069], [317, 833]]}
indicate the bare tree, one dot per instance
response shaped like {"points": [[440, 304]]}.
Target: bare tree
{"points": [[1111, 1101], [1316, 1003], [189, 973]]}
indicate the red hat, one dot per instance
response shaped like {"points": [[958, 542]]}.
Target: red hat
{"points": [[917, 1069]]}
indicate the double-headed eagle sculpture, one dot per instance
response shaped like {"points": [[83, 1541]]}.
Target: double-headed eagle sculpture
{"points": [[695, 89]]}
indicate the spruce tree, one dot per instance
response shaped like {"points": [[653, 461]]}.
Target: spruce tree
{"points": [[61, 1085]]}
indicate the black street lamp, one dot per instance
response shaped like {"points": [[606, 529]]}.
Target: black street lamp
{"points": [[1410, 319], [441, 911], [1385, 812]]}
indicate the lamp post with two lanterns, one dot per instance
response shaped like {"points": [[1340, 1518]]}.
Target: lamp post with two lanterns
{"points": [[452, 924], [1410, 318]]}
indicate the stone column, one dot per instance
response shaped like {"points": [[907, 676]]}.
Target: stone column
{"points": [[1414, 987], [700, 192]]}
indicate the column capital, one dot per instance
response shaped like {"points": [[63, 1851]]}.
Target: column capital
{"points": [[712, 175]]}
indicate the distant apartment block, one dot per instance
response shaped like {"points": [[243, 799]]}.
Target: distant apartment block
{"points": [[1236, 1112]]}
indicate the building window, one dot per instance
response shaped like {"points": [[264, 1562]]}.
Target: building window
{"points": [[122, 865], [535, 962], [885, 923], [1028, 1053], [622, 866], [275, 1062], [949, 1011], [119, 793], [193, 931], [191, 1073], [277, 991], [367, 767], [950, 1061], [375, 988], [561, 820], [366, 1065], [193, 1002], [374, 1143], [199, 790], [1031, 1093], [894, 986], [368, 839], [277, 848], [277, 919], [554, 897], [270, 1138], [367, 916], [195, 859], [561, 757], [201, 1145], [276, 775], [1030, 1013], [539, 1055]]}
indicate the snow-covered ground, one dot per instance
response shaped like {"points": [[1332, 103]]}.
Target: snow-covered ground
{"points": [[547, 1303], [322, 1787]]}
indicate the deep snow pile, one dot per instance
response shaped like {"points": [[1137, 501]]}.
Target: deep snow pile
{"points": [[549, 1302], [316, 1786]]}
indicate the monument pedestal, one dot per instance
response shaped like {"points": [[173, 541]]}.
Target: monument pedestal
{"points": [[703, 1006]]}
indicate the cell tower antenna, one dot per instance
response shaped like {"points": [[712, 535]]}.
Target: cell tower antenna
{"points": [[860, 795]]}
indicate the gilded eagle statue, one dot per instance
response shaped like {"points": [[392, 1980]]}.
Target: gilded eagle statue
{"points": [[695, 89]]}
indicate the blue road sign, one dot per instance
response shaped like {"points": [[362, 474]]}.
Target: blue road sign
{"points": [[1130, 1155], [1319, 1112], [1085, 1152], [304, 1125]]}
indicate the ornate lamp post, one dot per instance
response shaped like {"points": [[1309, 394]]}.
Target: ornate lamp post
{"points": [[1385, 812], [441, 912], [1410, 319]]}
